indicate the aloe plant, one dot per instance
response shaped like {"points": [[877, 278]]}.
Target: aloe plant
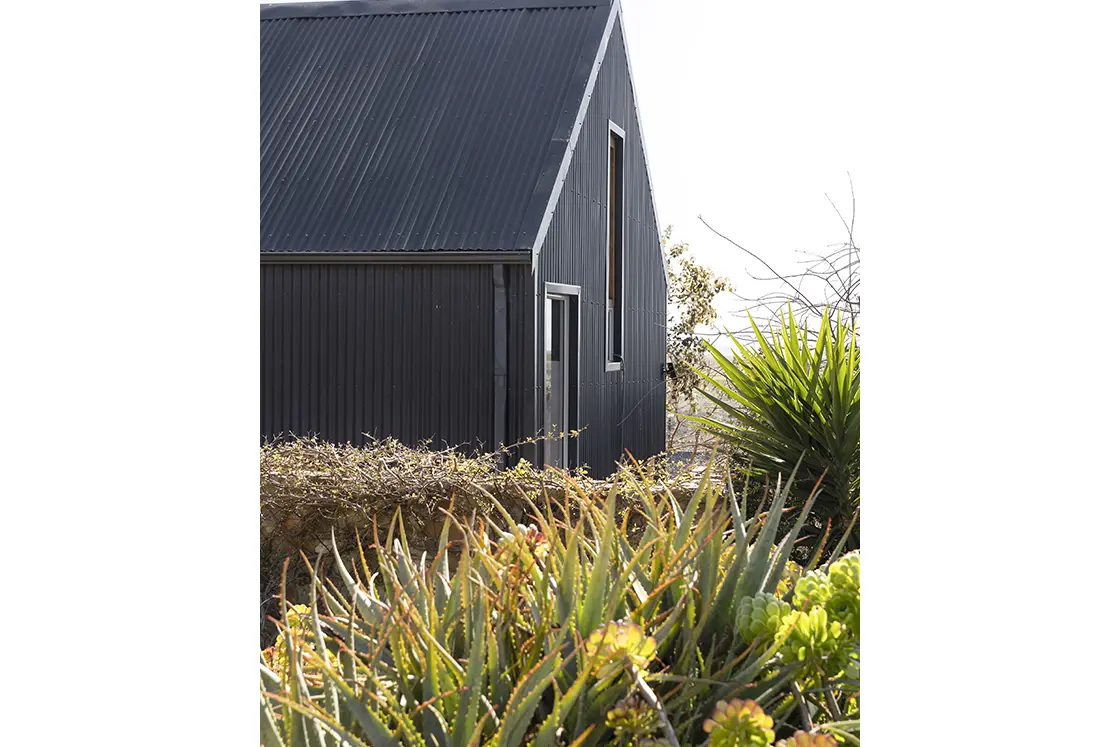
{"points": [[791, 398], [579, 629]]}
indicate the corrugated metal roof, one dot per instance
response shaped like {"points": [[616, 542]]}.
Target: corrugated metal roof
{"points": [[417, 126]]}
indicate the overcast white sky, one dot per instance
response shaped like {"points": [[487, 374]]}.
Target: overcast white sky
{"points": [[748, 120]]}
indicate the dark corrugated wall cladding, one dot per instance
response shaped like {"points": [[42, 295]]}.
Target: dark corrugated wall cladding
{"points": [[401, 350], [419, 131], [520, 329], [622, 410]]}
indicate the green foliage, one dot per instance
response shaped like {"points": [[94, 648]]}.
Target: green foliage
{"points": [[791, 399], [740, 722], [815, 641], [760, 617], [843, 602], [805, 739], [580, 629], [633, 721], [693, 288], [818, 635], [811, 590], [619, 646]]}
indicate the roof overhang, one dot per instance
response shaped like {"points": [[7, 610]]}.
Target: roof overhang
{"points": [[398, 258], [344, 8]]}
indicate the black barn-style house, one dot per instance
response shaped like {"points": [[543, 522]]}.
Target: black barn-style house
{"points": [[458, 233]]}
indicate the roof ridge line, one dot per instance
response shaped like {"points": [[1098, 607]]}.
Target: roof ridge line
{"points": [[354, 8]]}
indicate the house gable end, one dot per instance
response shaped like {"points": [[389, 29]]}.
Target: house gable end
{"points": [[621, 406], [615, 27]]}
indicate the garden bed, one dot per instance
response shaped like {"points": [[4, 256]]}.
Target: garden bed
{"points": [[310, 488]]}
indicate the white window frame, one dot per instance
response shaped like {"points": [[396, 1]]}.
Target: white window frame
{"points": [[612, 363]]}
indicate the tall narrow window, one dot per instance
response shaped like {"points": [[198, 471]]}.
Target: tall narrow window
{"points": [[615, 246]]}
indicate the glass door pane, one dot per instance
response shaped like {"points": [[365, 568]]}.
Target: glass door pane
{"points": [[556, 381]]}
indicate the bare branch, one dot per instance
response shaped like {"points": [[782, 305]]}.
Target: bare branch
{"points": [[829, 279], [760, 259]]}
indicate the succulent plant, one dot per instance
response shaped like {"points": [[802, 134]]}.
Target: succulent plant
{"points": [[811, 590], [811, 634], [521, 550], [616, 644], [793, 572], [738, 723], [814, 640], [760, 617], [298, 620], [805, 739], [412, 653], [843, 603], [632, 720], [844, 573]]}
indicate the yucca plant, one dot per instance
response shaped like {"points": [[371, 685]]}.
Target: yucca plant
{"points": [[573, 631], [792, 397]]}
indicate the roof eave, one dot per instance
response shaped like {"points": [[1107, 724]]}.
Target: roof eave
{"points": [[399, 258], [349, 8]]}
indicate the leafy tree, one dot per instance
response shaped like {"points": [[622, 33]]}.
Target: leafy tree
{"points": [[692, 291]]}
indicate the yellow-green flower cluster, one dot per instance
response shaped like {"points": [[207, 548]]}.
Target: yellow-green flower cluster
{"points": [[299, 622], [837, 591], [789, 579], [805, 739], [812, 637], [820, 629], [844, 573], [843, 604], [739, 723], [812, 590], [614, 646], [632, 720], [518, 553]]}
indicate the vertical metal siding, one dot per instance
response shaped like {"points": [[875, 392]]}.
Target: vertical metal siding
{"points": [[621, 410], [519, 345], [400, 350]]}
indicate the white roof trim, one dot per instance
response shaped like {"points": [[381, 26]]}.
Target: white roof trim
{"points": [[573, 139]]}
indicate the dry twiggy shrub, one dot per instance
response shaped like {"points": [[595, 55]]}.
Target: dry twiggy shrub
{"points": [[309, 487]]}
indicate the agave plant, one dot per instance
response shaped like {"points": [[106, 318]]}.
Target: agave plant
{"points": [[791, 397], [575, 631]]}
